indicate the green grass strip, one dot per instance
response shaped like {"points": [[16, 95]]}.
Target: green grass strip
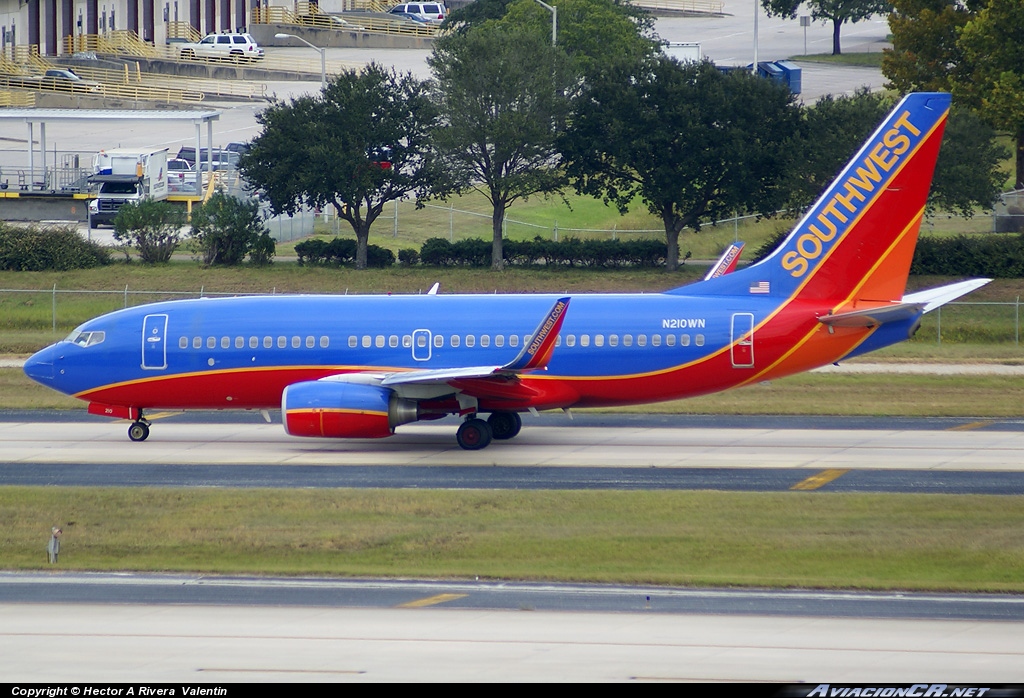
{"points": [[796, 539]]}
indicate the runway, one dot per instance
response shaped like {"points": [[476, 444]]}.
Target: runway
{"points": [[152, 628], [602, 452]]}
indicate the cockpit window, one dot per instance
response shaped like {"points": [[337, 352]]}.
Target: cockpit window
{"points": [[86, 339]]}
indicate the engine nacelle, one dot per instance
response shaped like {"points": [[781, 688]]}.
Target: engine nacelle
{"points": [[344, 410]]}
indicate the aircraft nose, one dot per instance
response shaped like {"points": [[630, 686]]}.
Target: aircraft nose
{"points": [[39, 366]]}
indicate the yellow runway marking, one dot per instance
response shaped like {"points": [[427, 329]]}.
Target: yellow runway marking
{"points": [[816, 481], [431, 601], [972, 425]]}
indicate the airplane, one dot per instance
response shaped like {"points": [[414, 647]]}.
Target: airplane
{"points": [[361, 366]]}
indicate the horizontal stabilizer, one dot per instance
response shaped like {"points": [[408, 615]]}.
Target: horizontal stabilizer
{"points": [[913, 304], [872, 317], [933, 298]]}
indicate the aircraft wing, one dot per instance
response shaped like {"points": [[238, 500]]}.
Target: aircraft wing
{"points": [[535, 355]]}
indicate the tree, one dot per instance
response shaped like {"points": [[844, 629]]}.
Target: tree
{"points": [[924, 44], [695, 144], [502, 93], [151, 227], [839, 12], [972, 48], [356, 146], [992, 77], [593, 33], [225, 229]]}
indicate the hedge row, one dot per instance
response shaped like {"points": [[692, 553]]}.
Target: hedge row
{"points": [[43, 249], [998, 256], [569, 252], [474, 252], [341, 252]]}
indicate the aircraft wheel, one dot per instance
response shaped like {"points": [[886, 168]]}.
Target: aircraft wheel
{"points": [[138, 431], [505, 425], [474, 434]]}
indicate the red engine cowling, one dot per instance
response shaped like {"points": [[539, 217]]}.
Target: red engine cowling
{"points": [[344, 410]]}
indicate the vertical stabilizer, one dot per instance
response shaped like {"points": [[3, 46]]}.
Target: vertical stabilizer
{"points": [[857, 241]]}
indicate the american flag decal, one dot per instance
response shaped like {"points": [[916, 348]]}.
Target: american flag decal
{"points": [[760, 287]]}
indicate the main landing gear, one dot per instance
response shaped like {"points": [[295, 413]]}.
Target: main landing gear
{"points": [[139, 430], [475, 433]]}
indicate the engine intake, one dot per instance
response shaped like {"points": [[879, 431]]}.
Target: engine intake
{"points": [[344, 410]]}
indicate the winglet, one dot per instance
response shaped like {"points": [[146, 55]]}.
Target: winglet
{"points": [[537, 352], [727, 262]]}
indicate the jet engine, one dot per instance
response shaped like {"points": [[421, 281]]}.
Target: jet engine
{"points": [[344, 410]]}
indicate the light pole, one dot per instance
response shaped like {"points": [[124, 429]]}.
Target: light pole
{"points": [[554, 19], [323, 57]]}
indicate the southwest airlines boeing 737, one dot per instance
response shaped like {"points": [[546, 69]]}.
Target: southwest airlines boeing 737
{"points": [[358, 367]]}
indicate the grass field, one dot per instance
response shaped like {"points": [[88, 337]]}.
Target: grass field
{"points": [[972, 543]]}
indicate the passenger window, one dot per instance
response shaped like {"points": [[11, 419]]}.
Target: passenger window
{"points": [[421, 340], [379, 343], [598, 340], [684, 340], [584, 340], [225, 342], [513, 340], [558, 340], [470, 340], [570, 341], [211, 342], [393, 341], [268, 342], [455, 341], [197, 342], [325, 342], [613, 340], [296, 342], [699, 340], [499, 340], [183, 343], [282, 342], [627, 340], [239, 342], [367, 341], [353, 341], [310, 342], [656, 340], [407, 341], [438, 341], [485, 340], [641, 340]]}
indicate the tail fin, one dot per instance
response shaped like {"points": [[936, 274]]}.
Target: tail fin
{"points": [[857, 241]]}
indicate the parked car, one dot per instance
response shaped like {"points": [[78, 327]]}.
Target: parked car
{"points": [[227, 47], [180, 175], [226, 157], [429, 12], [64, 79]]}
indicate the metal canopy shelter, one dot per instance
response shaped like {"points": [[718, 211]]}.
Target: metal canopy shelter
{"points": [[44, 116]]}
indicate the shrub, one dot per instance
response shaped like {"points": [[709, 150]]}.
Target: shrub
{"points": [[151, 227], [225, 229], [408, 258], [378, 257], [437, 252], [48, 249]]}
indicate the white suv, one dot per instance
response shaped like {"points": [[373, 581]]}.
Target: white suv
{"points": [[234, 47], [429, 12]]}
